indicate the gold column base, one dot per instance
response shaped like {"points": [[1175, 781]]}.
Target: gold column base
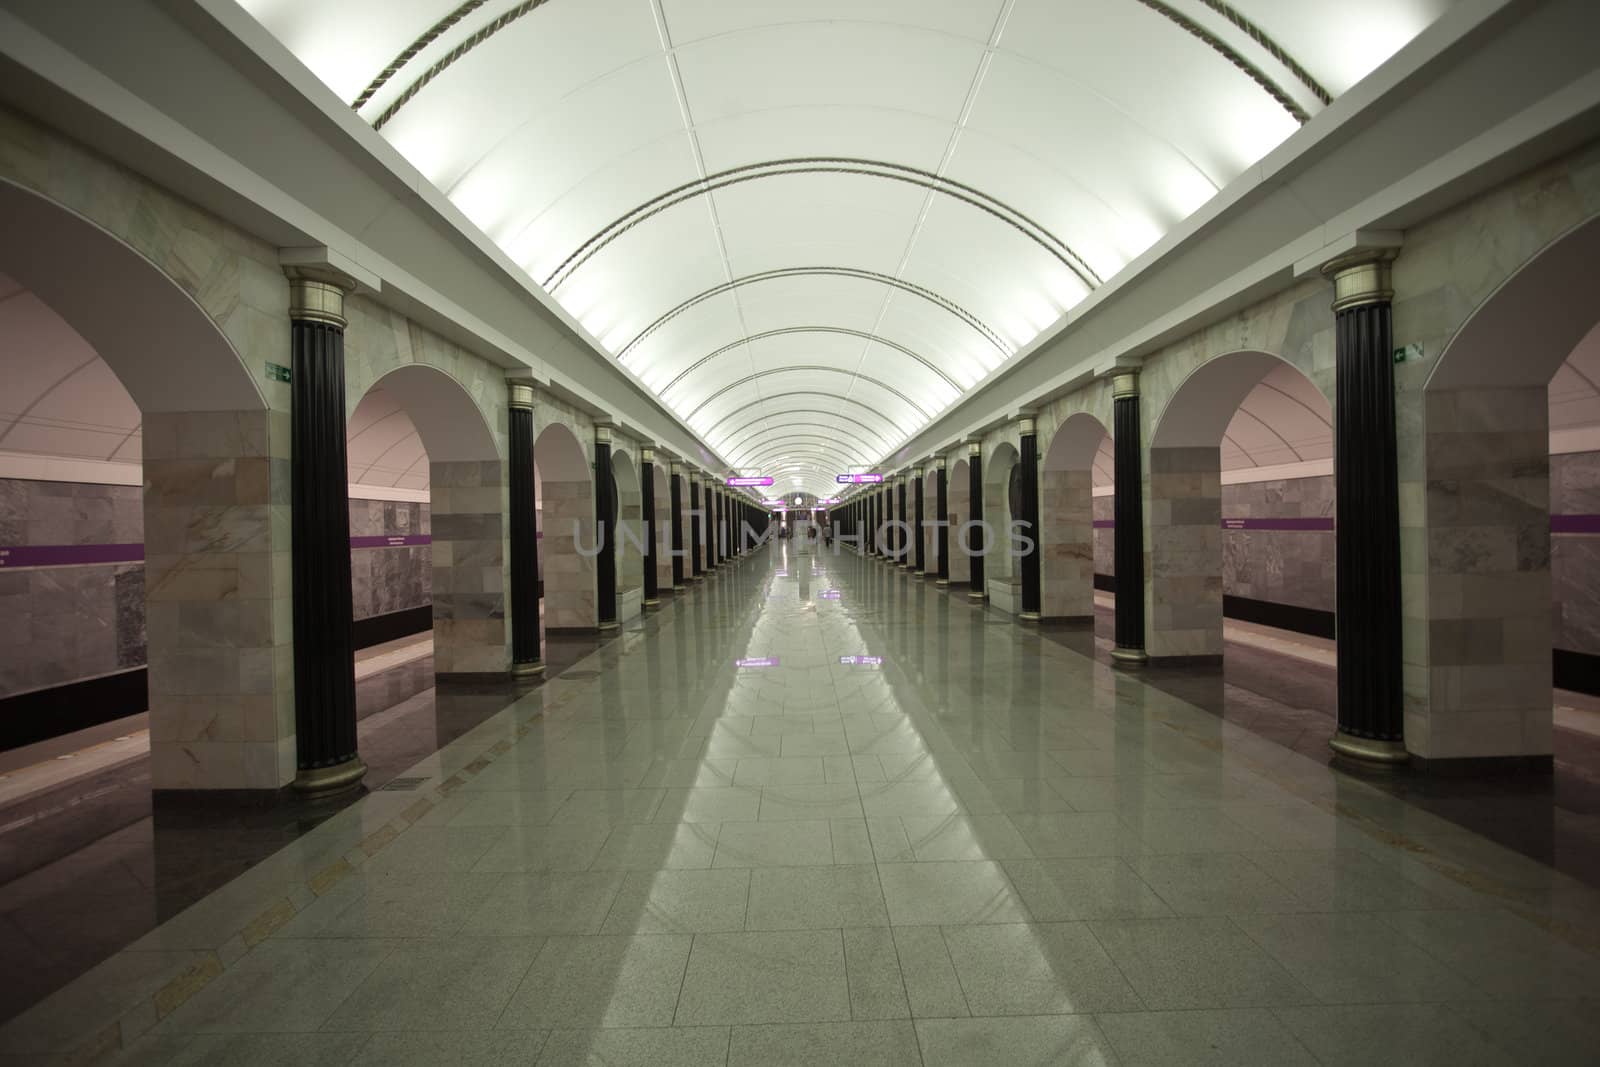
{"points": [[650, 603], [941, 581], [1129, 657], [1368, 750], [325, 781], [608, 624], [527, 670], [1028, 616], [976, 594]]}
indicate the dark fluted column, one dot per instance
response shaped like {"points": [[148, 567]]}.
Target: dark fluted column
{"points": [[324, 642], [675, 494], [1032, 588], [975, 489], [1367, 506], [652, 529], [941, 503], [920, 514], [709, 521], [1128, 509], [908, 559], [526, 655], [697, 527], [605, 516]]}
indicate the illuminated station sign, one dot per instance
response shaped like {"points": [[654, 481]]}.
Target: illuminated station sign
{"points": [[740, 483], [858, 479]]}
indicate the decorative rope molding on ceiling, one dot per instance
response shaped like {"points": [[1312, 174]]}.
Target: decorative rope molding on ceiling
{"points": [[814, 368], [735, 450], [825, 272], [926, 363], [873, 430], [810, 392], [1249, 69], [867, 168], [748, 450]]}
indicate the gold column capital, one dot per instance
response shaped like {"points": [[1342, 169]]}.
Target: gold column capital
{"points": [[647, 454], [1027, 423], [602, 434], [316, 294], [1361, 277], [975, 447], [520, 393], [1125, 383]]}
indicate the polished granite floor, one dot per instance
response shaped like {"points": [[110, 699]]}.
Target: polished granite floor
{"points": [[817, 811]]}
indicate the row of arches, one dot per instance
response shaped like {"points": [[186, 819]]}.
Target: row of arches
{"points": [[1496, 458]]}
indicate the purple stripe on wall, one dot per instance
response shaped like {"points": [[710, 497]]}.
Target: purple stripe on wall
{"points": [[1309, 522], [66, 555], [1575, 524]]}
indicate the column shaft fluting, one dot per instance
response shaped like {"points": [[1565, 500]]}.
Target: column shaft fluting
{"points": [[605, 516], [526, 654], [324, 639], [979, 589], [1367, 505], [1128, 509], [1032, 588]]}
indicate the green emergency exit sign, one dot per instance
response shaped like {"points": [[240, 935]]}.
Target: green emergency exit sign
{"points": [[277, 372], [1409, 354]]}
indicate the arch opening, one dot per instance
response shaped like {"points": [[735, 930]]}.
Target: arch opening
{"points": [[566, 501]]}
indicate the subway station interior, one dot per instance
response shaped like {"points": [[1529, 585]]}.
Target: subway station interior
{"points": [[737, 532]]}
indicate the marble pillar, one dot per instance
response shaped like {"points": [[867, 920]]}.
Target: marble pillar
{"points": [[1367, 503], [920, 515], [606, 517], [527, 658], [1029, 481], [675, 524], [941, 511], [1126, 440], [647, 492], [976, 539], [324, 645]]}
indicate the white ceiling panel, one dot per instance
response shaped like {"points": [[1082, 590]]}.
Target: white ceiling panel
{"points": [[1004, 158]]}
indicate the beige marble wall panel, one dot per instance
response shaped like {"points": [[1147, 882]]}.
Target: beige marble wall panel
{"points": [[1066, 544], [1183, 594]]}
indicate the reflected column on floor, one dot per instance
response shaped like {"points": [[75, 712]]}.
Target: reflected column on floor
{"points": [[526, 654], [975, 524], [902, 536], [941, 505], [324, 642], [605, 514], [1367, 502], [1029, 485], [1128, 510]]}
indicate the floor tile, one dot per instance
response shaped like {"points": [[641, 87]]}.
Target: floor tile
{"points": [[578, 982], [970, 837], [949, 894], [689, 902], [558, 902], [1239, 1037], [1196, 962], [1036, 969], [458, 984], [1089, 887], [459, 1048], [1067, 1040], [815, 898], [702, 805], [767, 977], [247, 1050], [1427, 1035], [1214, 883], [279, 986], [1353, 958], [932, 988], [830, 800], [872, 966], [867, 1044], [657, 846], [700, 1046], [774, 844], [1090, 833]]}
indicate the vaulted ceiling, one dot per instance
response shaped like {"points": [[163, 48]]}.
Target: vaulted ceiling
{"points": [[810, 228]]}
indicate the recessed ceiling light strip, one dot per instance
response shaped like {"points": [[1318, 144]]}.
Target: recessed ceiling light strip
{"points": [[816, 368]]}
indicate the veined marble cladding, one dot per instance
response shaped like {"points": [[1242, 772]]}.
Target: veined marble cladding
{"points": [[81, 622], [389, 579], [470, 502], [1575, 558], [1293, 567], [72, 622]]}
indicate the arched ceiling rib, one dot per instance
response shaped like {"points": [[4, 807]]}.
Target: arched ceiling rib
{"points": [[924, 186]]}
